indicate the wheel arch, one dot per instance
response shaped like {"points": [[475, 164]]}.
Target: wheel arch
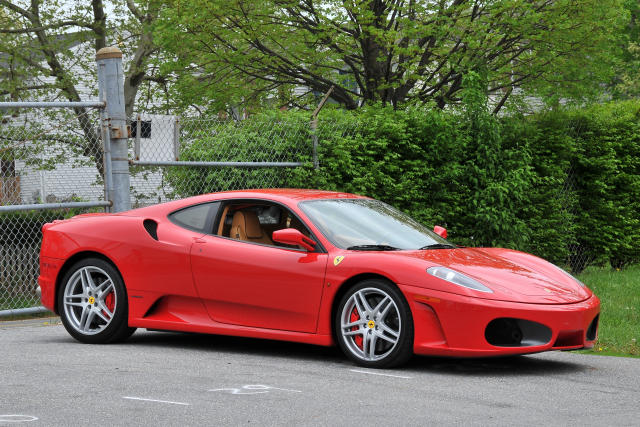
{"points": [[344, 288], [70, 262]]}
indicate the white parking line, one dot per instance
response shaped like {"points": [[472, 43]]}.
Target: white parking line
{"points": [[16, 418], [153, 400], [377, 373]]}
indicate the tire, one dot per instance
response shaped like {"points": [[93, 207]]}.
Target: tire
{"points": [[375, 314], [92, 301]]}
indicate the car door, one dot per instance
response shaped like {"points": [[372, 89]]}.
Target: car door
{"points": [[258, 285]]}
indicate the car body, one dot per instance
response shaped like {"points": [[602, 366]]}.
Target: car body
{"points": [[203, 265]]}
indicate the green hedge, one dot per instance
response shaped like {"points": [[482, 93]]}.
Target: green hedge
{"points": [[563, 185]]}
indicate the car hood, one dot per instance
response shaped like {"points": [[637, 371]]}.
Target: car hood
{"points": [[512, 275]]}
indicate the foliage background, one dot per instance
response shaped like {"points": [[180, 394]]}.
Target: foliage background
{"points": [[564, 185]]}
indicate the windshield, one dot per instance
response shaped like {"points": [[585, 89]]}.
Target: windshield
{"points": [[370, 225]]}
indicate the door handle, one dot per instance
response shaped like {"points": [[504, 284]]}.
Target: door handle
{"points": [[198, 240]]}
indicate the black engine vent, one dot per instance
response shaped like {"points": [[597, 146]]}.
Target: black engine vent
{"points": [[152, 228], [503, 332]]}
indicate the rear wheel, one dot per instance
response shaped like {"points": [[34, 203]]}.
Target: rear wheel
{"points": [[374, 326], [93, 303]]}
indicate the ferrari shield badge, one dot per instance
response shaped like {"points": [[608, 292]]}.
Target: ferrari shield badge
{"points": [[337, 260]]}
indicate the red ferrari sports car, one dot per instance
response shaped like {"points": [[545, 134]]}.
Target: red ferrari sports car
{"points": [[309, 266]]}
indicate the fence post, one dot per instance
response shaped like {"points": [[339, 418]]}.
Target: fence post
{"points": [[111, 89], [314, 129]]}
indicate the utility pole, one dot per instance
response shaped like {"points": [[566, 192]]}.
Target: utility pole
{"points": [[111, 90]]}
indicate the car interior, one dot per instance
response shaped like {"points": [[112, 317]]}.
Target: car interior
{"points": [[256, 223]]}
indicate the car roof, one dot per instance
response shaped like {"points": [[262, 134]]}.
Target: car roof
{"points": [[284, 195]]}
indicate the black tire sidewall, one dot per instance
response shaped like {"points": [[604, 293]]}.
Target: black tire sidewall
{"points": [[404, 347], [120, 314]]}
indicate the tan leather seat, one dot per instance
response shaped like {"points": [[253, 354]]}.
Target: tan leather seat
{"points": [[246, 227]]}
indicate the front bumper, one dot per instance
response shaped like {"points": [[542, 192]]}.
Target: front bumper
{"points": [[454, 325]]}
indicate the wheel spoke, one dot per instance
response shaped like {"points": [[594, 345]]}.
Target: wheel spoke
{"points": [[90, 315], [351, 333], [87, 280], [101, 315], [354, 324], [373, 338], [362, 302], [383, 313], [365, 345], [388, 330], [103, 307], [386, 338], [376, 310], [105, 287], [75, 304], [83, 317]]}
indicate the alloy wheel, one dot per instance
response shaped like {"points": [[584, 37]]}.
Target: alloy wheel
{"points": [[370, 324], [90, 300]]}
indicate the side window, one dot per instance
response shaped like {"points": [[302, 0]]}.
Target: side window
{"points": [[197, 218], [256, 222]]}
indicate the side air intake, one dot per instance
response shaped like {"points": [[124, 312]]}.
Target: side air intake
{"points": [[152, 228]]}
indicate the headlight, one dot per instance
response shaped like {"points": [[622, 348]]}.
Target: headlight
{"points": [[457, 278]]}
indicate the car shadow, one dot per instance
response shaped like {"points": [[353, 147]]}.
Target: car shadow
{"points": [[520, 365], [500, 366], [235, 345]]}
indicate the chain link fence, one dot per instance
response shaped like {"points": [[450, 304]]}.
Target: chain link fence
{"points": [[579, 256], [51, 156], [229, 143]]}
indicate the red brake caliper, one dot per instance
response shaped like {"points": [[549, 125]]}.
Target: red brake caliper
{"points": [[110, 302], [355, 316]]}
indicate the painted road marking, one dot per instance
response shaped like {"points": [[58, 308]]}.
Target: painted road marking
{"points": [[264, 388], [377, 373], [153, 400], [16, 418]]}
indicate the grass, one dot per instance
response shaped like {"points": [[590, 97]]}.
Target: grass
{"points": [[619, 293]]}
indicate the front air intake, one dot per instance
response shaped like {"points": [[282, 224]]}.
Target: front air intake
{"points": [[507, 332], [592, 332], [503, 332], [152, 228]]}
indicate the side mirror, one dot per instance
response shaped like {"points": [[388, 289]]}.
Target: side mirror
{"points": [[291, 236], [440, 231]]}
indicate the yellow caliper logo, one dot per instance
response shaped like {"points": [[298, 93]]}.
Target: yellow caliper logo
{"points": [[92, 300], [337, 260], [371, 324]]}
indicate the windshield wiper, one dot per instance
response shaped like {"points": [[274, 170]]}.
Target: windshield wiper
{"points": [[372, 248], [438, 246]]}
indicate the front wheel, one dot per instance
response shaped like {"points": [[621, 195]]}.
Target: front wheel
{"points": [[374, 325], [93, 303]]}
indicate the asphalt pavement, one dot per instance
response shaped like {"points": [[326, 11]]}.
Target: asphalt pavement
{"points": [[171, 379]]}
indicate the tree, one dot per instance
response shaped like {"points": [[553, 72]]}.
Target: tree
{"points": [[626, 82], [48, 50], [394, 51]]}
